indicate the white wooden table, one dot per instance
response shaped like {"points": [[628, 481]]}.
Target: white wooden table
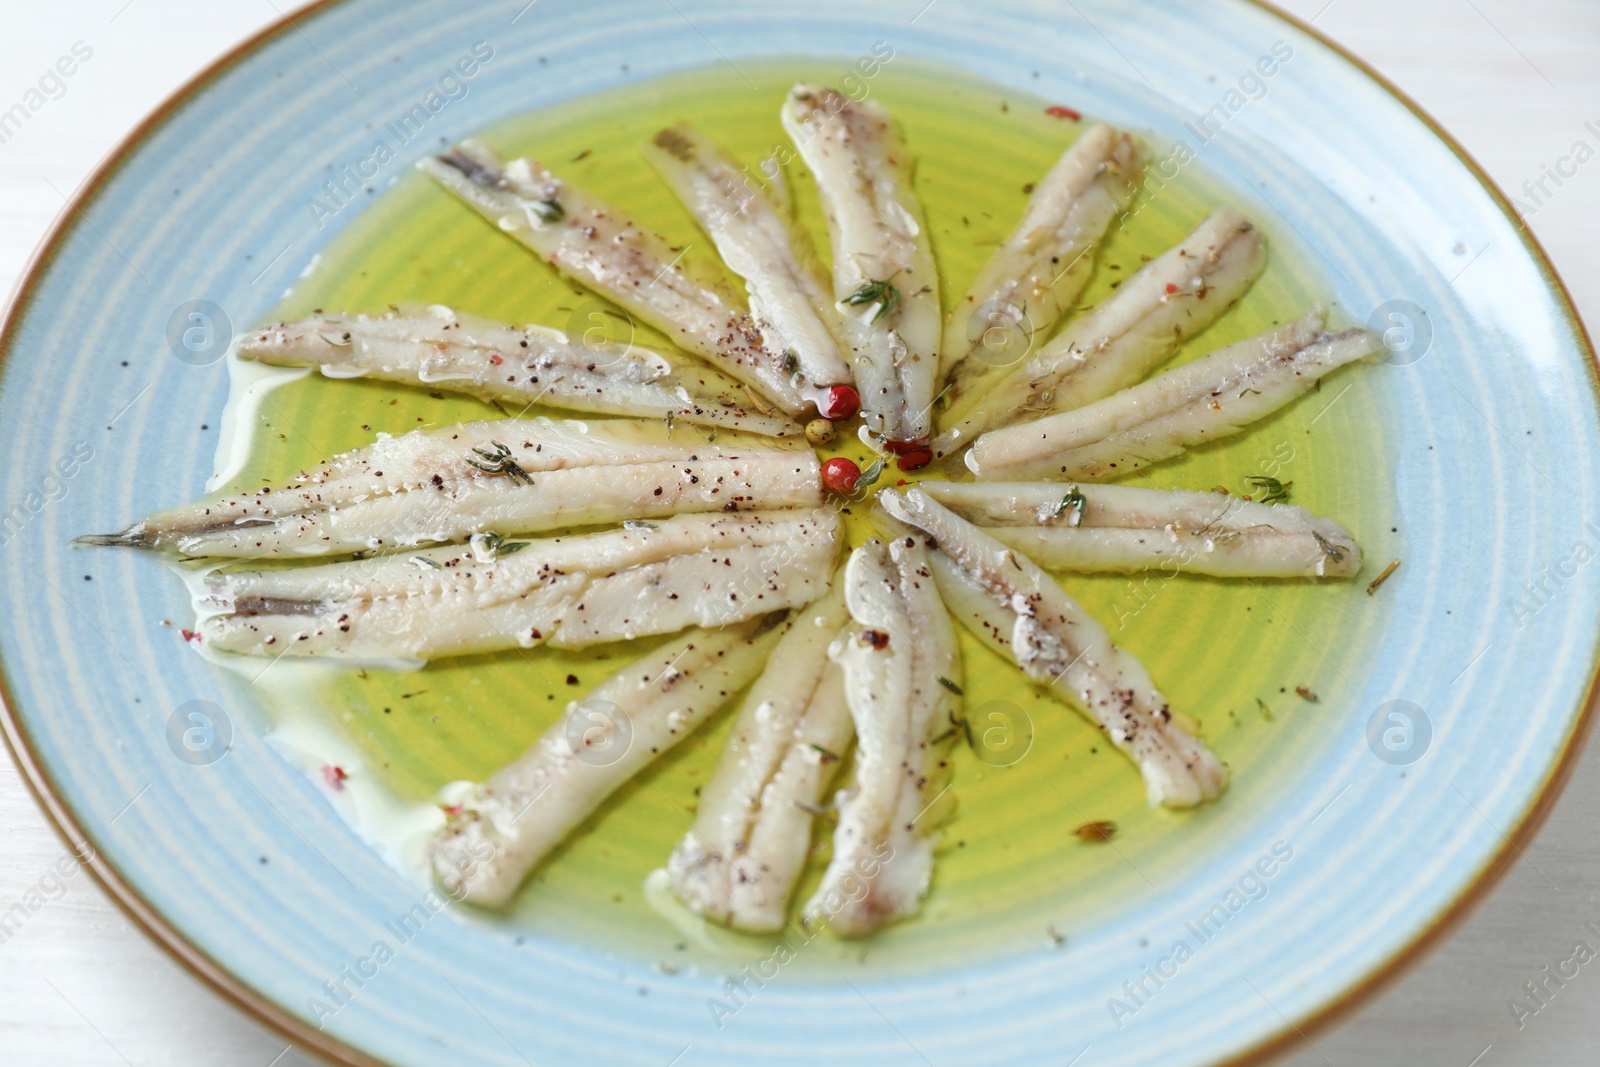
{"points": [[1515, 80]]}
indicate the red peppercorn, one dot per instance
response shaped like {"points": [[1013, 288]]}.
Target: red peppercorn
{"points": [[1171, 288], [839, 475], [1063, 113], [841, 403], [920, 456]]}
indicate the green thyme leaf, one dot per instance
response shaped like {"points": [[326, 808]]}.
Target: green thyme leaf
{"points": [[886, 296], [1273, 490], [499, 462], [873, 472], [1075, 503]]}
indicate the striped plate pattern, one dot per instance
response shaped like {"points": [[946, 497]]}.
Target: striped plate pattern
{"points": [[244, 866]]}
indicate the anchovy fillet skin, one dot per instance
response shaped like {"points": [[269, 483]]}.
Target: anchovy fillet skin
{"points": [[1034, 278], [608, 251], [752, 832], [1018, 609], [500, 832], [1089, 529], [789, 298], [568, 592], [884, 277], [902, 671], [443, 348], [1124, 337], [1208, 399], [440, 486]]}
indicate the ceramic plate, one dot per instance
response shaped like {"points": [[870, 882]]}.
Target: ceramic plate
{"points": [[1452, 699]]}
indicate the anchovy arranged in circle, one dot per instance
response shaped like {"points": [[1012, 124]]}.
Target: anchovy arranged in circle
{"points": [[1209, 399]]}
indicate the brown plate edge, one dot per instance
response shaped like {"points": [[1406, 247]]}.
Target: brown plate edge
{"points": [[306, 1037]]}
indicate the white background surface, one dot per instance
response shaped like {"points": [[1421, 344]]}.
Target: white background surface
{"points": [[1514, 80]]}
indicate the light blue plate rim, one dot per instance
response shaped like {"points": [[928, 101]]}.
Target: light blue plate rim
{"points": [[150, 919]]}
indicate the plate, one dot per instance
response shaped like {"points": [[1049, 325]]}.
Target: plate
{"points": [[1370, 821]]}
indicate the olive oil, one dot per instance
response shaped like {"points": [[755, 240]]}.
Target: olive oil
{"points": [[1015, 866]]}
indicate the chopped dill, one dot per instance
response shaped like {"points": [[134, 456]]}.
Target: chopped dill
{"points": [[1329, 549], [886, 296], [497, 546], [966, 730], [548, 210], [953, 687], [499, 462]]}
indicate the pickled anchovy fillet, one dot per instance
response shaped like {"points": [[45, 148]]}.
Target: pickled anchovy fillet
{"points": [[901, 673], [1213, 397], [752, 832], [608, 251], [1033, 280], [511, 476], [1018, 609], [568, 592], [1086, 528], [789, 298], [1126, 336], [497, 834], [884, 277], [445, 349]]}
